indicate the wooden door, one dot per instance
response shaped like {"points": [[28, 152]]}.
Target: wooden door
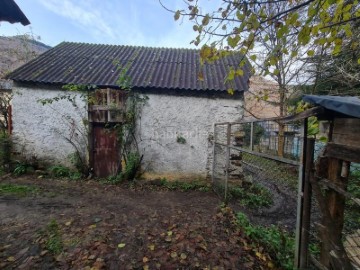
{"points": [[106, 155]]}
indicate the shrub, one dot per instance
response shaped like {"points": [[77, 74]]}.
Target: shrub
{"points": [[253, 196], [5, 149], [20, 168], [59, 171]]}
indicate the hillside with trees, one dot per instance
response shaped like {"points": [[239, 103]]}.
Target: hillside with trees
{"points": [[18, 50]]}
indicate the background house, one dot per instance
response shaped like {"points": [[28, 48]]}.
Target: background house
{"points": [[255, 105], [175, 127]]}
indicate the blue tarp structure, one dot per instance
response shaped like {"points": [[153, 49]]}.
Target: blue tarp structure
{"points": [[345, 105]]}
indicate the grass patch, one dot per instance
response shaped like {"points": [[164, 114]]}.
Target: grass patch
{"points": [[53, 242], [182, 185], [278, 243], [19, 190]]}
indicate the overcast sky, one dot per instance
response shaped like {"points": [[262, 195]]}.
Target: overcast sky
{"points": [[125, 22]]}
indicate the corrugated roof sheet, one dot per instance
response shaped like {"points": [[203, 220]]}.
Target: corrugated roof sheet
{"points": [[10, 12], [163, 68]]}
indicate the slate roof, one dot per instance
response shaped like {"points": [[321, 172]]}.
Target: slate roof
{"points": [[10, 12], [159, 68]]}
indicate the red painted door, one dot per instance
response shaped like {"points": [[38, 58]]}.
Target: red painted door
{"points": [[106, 156]]}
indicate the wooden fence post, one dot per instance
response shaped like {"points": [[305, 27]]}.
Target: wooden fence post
{"points": [[306, 209], [335, 203]]}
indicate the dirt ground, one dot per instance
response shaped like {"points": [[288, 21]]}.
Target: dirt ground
{"points": [[97, 226]]}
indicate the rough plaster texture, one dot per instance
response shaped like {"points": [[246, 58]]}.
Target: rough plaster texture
{"points": [[164, 118], [42, 130]]}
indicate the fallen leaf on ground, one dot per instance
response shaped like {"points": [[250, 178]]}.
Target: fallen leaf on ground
{"points": [[121, 245], [183, 256]]}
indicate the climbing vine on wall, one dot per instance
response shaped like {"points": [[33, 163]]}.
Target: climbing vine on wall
{"points": [[77, 135], [125, 130]]}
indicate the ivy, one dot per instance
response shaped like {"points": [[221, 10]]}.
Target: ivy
{"points": [[125, 131]]}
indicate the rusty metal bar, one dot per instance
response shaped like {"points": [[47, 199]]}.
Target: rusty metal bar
{"points": [[283, 160]]}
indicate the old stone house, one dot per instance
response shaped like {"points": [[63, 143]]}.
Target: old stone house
{"points": [[174, 129]]}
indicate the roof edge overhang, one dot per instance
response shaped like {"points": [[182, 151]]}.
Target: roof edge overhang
{"points": [[210, 93]]}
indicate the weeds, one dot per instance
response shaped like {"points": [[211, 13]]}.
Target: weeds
{"points": [[278, 243], [253, 196], [183, 185], [53, 243], [19, 190], [59, 171], [20, 168], [5, 150], [129, 172], [180, 139]]}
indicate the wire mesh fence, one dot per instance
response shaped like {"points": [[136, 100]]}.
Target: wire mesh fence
{"points": [[268, 151], [250, 153]]}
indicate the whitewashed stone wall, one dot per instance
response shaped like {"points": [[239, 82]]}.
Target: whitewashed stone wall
{"points": [[166, 117], [42, 130]]}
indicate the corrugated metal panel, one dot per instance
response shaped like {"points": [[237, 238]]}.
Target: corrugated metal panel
{"points": [[10, 12], [162, 68]]}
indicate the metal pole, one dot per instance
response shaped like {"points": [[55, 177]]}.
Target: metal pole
{"points": [[227, 166], [252, 137], [300, 196], [214, 160]]}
